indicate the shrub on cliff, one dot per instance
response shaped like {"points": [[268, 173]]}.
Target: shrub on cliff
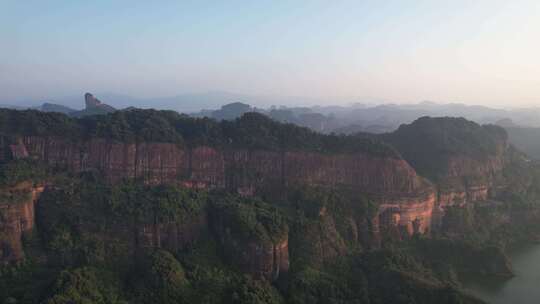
{"points": [[249, 219], [159, 204], [85, 285], [318, 286], [250, 291], [161, 279], [24, 170], [339, 215]]}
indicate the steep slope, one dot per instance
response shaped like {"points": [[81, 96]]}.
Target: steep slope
{"points": [[245, 156], [464, 160], [134, 191], [452, 151]]}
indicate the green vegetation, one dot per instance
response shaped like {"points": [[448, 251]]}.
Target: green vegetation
{"points": [[13, 173], [24, 170], [250, 219], [251, 131], [462, 256], [32, 122], [163, 203], [160, 279], [89, 247], [85, 285], [427, 143], [139, 243]]}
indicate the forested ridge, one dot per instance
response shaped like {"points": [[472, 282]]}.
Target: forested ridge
{"points": [[251, 131]]}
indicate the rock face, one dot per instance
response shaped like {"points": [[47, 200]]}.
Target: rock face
{"points": [[261, 259], [244, 171], [16, 219], [410, 215], [91, 103], [165, 163], [408, 204], [406, 200], [463, 158]]}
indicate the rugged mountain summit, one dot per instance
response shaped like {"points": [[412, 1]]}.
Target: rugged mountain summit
{"points": [[91, 103]]}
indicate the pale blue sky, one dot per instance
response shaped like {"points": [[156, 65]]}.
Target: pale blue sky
{"points": [[478, 52]]}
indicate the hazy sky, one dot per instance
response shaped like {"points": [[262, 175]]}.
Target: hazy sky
{"points": [[477, 52]]}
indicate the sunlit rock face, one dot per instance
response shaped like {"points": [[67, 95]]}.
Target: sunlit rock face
{"points": [[406, 215], [17, 218]]}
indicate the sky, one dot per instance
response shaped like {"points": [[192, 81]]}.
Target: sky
{"points": [[475, 52]]}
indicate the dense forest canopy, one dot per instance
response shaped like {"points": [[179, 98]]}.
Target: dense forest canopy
{"points": [[80, 252], [428, 142], [95, 242], [251, 131]]}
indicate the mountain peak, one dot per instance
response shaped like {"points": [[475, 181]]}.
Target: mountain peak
{"points": [[92, 102]]}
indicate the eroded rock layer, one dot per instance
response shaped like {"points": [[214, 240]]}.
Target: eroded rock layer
{"points": [[16, 218], [165, 162], [406, 200]]}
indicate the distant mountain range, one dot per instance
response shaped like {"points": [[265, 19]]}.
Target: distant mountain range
{"points": [[183, 103], [523, 124], [380, 118], [344, 118]]}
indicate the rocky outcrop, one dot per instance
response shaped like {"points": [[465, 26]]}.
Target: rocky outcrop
{"points": [[16, 219], [92, 103], [410, 214]]}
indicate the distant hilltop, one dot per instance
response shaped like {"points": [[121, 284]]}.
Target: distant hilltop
{"points": [[93, 106], [93, 103]]}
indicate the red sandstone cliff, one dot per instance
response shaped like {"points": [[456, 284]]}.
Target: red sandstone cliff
{"points": [[405, 199], [16, 218], [408, 196], [408, 204], [245, 171], [163, 162]]}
